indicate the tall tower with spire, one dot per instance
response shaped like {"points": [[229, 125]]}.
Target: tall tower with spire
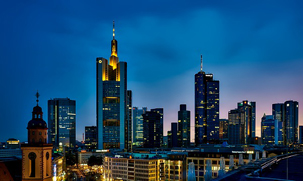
{"points": [[206, 108], [37, 154], [112, 121]]}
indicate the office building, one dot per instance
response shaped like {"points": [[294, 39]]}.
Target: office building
{"points": [[128, 128], [173, 136], [37, 154], [62, 122], [287, 113], [153, 128], [223, 129], [271, 130], [112, 100], [12, 143], [134, 167], [138, 126], [301, 134], [291, 122], [206, 108], [91, 137], [184, 126], [241, 123]]}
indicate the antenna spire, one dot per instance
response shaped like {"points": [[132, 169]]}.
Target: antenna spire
{"points": [[37, 95], [113, 29], [201, 62]]}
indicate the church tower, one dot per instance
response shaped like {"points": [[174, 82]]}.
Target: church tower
{"points": [[37, 154]]}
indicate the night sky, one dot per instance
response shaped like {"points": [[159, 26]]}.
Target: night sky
{"points": [[255, 50]]}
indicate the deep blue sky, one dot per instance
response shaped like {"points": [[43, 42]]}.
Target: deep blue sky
{"points": [[254, 48]]}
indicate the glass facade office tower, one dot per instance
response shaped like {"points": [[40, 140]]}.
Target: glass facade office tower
{"points": [[206, 108], [153, 128], [271, 130], [223, 129], [241, 123], [173, 136], [62, 122], [287, 113], [184, 126], [91, 137], [112, 119], [138, 126], [128, 129]]}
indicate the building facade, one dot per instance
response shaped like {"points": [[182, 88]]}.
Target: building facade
{"points": [[223, 129], [184, 126], [241, 123], [271, 130], [173, 136], [301, 134], [287, 113], [128, 129], [62, 122], [37, 154], [112, 100], [206, 108], [153, 128], [138, 126], [91, 137]]}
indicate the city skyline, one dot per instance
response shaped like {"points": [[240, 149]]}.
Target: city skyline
{"points": [[256, 56]]}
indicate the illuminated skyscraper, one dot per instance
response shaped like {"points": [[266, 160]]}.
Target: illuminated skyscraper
{"points": [[223, 129], [172, 136], [183, 126], [241, 123], [138, 126], [206, 108], [153, 128], [271, 130], [112, 119], [62, 122], [287, 113], [91, 137]]}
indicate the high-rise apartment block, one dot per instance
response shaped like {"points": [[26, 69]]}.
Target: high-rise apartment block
{"points": [[138, 126], [241, 123], [62, 122], [153, 128], [206, 108], [91, 137], [112, 100], [184, 126], [287, 113], [271, 130]]}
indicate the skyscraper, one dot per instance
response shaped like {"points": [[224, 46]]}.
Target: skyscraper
{"points": [[138, 126], [128, 129], [206, 108], [112, 100], [183, 126], [271, 130], [173, 136], [287, 113], [241, 123], [62, 122], [291, 123], [223, 129], [91, 137], [153, 128]]}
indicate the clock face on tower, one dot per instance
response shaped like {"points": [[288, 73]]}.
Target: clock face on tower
{"points": [[47, 155], [32, 156]]}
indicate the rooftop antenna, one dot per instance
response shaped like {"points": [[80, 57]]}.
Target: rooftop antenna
{"points": [[113, 29], [37, 95]]}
